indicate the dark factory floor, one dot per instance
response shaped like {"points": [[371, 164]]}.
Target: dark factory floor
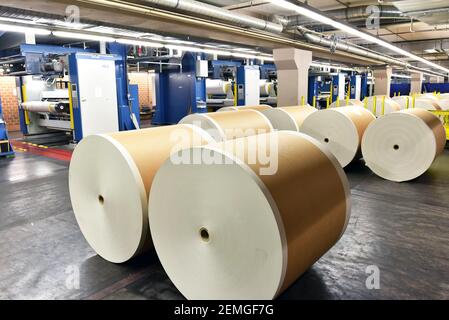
{"points": [[400, 230]]}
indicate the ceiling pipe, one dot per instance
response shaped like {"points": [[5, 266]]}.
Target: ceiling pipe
{"points": [[200, 8], [349, 14], [345, 46]]}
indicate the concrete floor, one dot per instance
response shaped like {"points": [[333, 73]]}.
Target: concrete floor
{"points": [[403, 229]]}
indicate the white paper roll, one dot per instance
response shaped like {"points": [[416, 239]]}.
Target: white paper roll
{"points": [[420, 102], [345, 103], [217, 87], [403, 101], [444, 104], [389, 106], [241, 108], [230, 125], [265, 87], [401, 146], [288, 118], [252, 235], [46, 106], [110, 178], [341, 129]]}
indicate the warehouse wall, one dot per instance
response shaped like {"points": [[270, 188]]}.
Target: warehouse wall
{"points": [[8, 94], [144, 81]]}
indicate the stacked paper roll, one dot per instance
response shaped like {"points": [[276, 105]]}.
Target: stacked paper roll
{"points": [[429, 96], [345, 103], [230, 125], [288, 118], [377, 108], [241, 108], [341, 129], [110, 178], [444, 103], [419, 102], [217, 87], [255, 232], [401, 146]]}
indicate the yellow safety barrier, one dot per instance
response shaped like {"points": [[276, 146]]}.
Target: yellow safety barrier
{"points": [[235, 95], [72, 121], [24, 99], [328, 102], [314, 102], [375, 105], [337, 103], [303, 100], [407, 102], [383, 105]]}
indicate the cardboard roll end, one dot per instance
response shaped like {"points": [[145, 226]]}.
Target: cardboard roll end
{"points": [[402, 146], [253, 235], [108, 198]]}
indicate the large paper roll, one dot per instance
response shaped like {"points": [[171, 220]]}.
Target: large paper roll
{"points": [[217, 87], [444, 104], [252, 235], [389, 106], [341, 129], [230, 125], [346, 103], [401, 146], [241, 108], [288, 118], [404, 102], [110, 178]]}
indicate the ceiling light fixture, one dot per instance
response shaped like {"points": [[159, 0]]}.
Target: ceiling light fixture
{"points": [[352, 31], [82, 36], [21, 29], [140, 43]]}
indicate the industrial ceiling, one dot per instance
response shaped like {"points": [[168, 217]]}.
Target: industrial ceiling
{"points": [[420, 27]]}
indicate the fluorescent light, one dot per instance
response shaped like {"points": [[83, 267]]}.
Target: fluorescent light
{"points": [[140, 43], [183, 48], [82, 36], [401, 76], [21, 29], [345, 28]]}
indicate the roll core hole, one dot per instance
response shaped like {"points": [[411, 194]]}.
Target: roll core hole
{"points": [[204, 233], [101, 199], [326, 140], [396, 147]]}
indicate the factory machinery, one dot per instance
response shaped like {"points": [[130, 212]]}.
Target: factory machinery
{"points": [[231, 83], [6, 149], [325, 87], [72, 92]]}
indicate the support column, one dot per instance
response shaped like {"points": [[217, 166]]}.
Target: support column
{"points": [[382, 79], [416, 82], [293, 75]]}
